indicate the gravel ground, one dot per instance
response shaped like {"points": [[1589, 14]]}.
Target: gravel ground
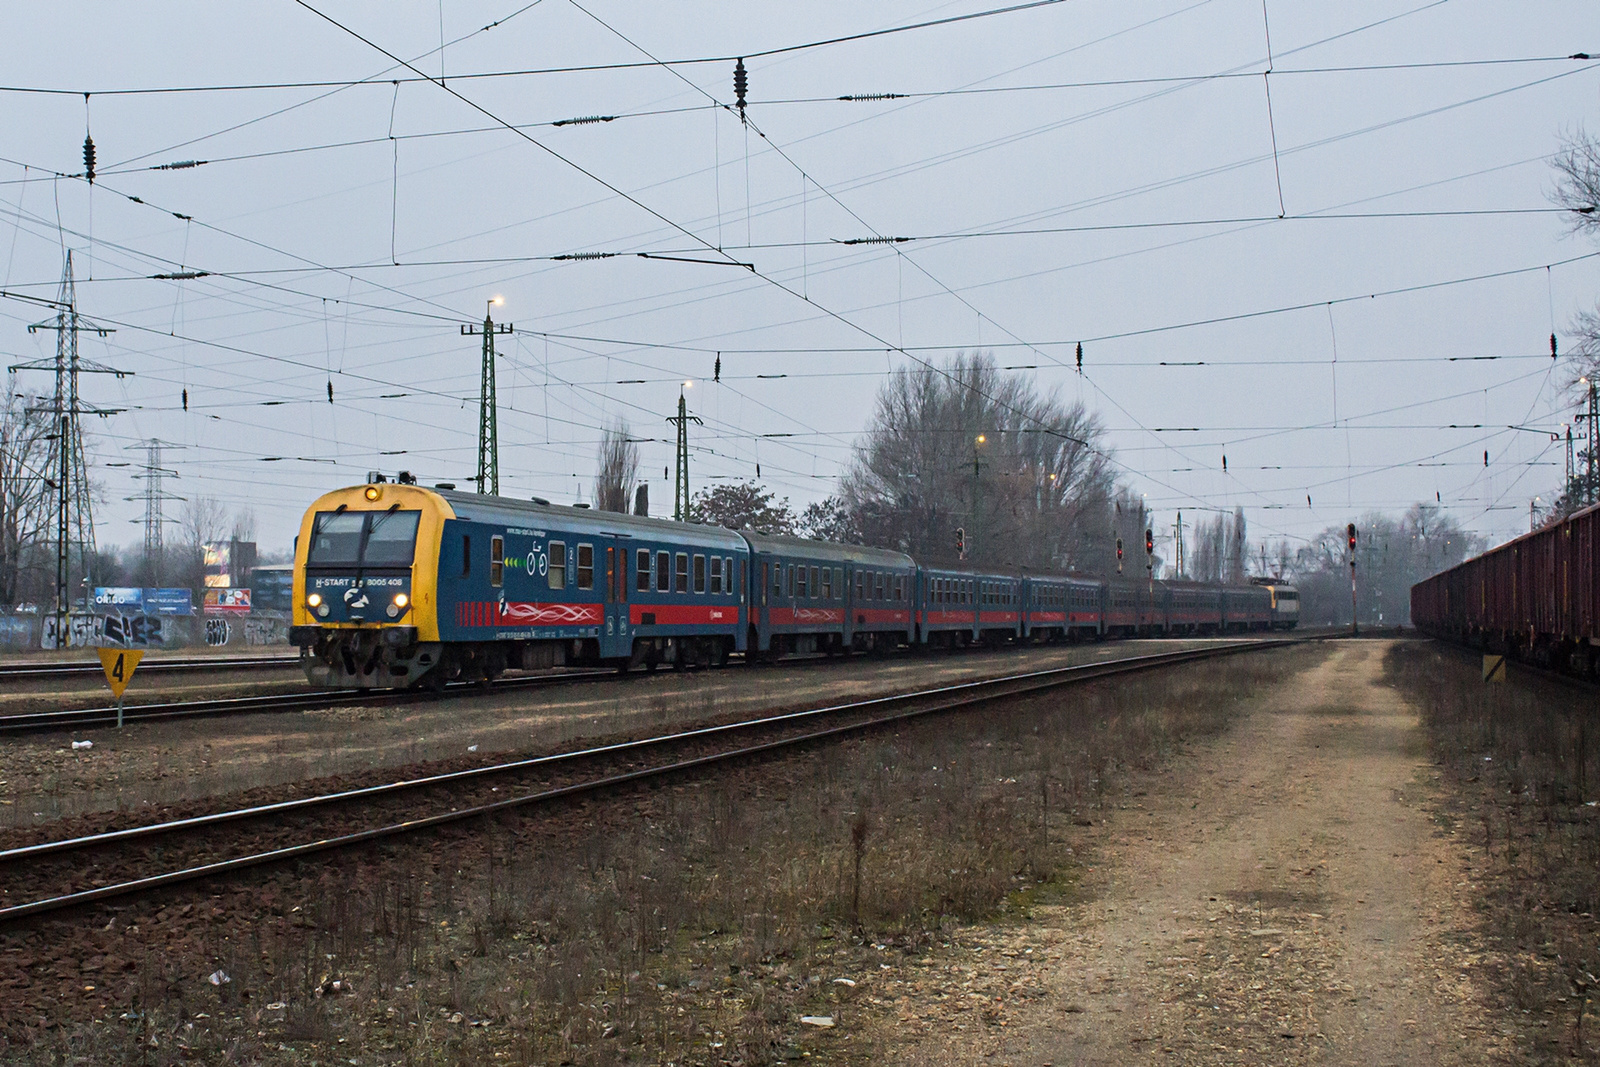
{"points": [[43, 778]]}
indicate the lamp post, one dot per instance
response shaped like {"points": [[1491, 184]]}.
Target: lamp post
{"points": [[977, 502]]}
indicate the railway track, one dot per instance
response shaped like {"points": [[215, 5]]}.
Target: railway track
{"points": [[16, 671], [36, 721], [138, 860]]}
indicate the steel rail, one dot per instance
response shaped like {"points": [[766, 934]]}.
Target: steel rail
{"points": [[17, 671], [960, 695], [24, 722]]}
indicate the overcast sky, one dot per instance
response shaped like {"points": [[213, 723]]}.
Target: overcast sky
{"points": [[1046, 210]]}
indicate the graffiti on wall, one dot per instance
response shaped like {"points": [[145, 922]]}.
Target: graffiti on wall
{"points": [[218, 632], [266, 631], [97, 631]]}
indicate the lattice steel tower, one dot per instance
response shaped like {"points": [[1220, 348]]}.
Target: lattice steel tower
{"points": [[680, 489], [72, 511], [488, 478], [152, 473]]}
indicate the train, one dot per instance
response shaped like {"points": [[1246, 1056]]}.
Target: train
{"points": [[398, 585], [1535, 598]]}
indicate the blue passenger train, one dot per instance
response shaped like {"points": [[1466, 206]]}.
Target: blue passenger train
{"points": [[399, 585]]}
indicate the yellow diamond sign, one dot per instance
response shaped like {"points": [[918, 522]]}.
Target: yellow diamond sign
{"points": [[119, 664]]}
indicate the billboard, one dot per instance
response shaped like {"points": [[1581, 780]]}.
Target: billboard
{"points": [[230, 601], [130, 601], [217, 556], [168, 602], [119, 597]]}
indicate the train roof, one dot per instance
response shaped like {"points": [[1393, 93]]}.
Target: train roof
{"points": [[474, 507], [783, 545]]}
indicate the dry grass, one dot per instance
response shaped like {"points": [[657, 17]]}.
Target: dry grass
{"points": [[1521, 759], [691, 923]]}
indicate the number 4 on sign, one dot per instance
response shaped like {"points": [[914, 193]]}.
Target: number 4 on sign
{"points": [[119, 664]]}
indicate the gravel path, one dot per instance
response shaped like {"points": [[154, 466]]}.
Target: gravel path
{"points": [[1280, 897]]}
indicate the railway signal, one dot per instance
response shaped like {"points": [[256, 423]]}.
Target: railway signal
{"points": [[961, 542], [1119, 555], [1350, 533]]}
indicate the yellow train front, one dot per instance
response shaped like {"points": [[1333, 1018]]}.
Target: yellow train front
{"points": [[397, 585], [365, 586]]}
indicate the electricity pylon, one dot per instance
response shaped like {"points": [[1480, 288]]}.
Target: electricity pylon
{"points": [[488, 478], [66, 472], [680, 489], [154, 496]]}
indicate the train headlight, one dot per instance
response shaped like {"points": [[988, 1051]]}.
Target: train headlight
{"points": [[401, 600], [372, 492], [314, 600]]}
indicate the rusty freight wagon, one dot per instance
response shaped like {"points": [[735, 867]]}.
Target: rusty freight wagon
{"points": [[1533, 598]]}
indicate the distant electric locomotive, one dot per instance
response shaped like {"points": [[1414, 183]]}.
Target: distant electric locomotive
{"points": [[398, 585]]}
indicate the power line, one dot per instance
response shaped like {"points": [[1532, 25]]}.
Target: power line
{"points": [[576, 69]]}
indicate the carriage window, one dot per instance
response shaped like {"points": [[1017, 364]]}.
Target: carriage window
{"points": [[858, 585], [777, 579], [682, 584], [838, 583], [877, 586], [900, 587], [585, 566], [802, 584], [641, 566], [716, 574], [791, 580], [727, 570], [699, 573], [497, 560], [663, 572], [827, 583], [816, 590], [558, 564]]}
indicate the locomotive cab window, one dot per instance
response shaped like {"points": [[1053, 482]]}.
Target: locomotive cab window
{"points": [[641, 567], [585, 566], [363, 538], [497, 560], [558, 564]]}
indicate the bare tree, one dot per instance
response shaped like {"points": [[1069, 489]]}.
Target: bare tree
{"points": [[617, 470], [25, 498], [202, 519], [1577, 191], [964, 446]]}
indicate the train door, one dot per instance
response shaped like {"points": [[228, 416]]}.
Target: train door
{"points": [[616, 639]]}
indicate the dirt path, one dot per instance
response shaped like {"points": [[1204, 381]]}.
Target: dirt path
{"points": [[1282, 897]]}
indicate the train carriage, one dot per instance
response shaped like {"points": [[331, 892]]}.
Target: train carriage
{"points": [[1056, 607], [1132, 609], [1246, 608], [1536, 597], [397, 584], [821, 597], [1190, 607]]}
